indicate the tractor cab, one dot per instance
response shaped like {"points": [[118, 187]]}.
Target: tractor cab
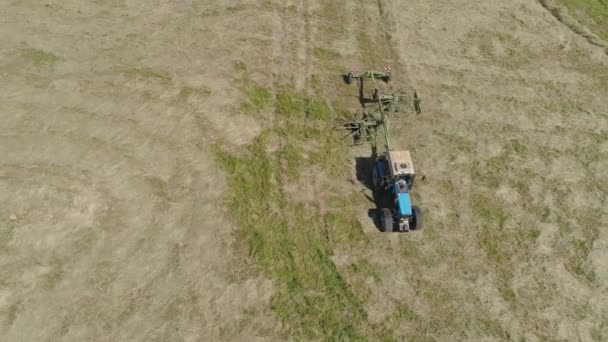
{"points": [[394, 174], [391, 168]]}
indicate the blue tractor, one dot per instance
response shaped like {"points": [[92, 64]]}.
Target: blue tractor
{"points": [[393, 175], [393, 171]]}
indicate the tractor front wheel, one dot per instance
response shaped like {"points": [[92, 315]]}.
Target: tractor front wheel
{"points": [[417, 218], [387, 220], [348, 78], [387, 78]]}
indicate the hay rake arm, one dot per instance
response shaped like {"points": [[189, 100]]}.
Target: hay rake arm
{"points": [[365, 129], [362, 130]]}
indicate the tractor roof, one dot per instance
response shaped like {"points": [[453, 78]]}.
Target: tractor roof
{"points": [[400, 163]]}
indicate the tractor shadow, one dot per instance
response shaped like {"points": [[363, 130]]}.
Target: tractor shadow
{"points": [[381, 199]]}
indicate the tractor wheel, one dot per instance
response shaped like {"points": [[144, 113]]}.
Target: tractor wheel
{"points": [[417, 219], [375, 179], [387, 220], [387, 78], [348, 78]]}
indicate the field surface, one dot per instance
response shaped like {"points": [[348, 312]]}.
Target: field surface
{"points": [[169, 172]]}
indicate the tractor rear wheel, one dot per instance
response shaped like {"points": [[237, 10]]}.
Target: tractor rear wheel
{"points": [[375, 179], [417, 218], [387, 220]]}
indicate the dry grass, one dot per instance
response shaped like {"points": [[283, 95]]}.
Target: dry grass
{"points": [[149, 239]]}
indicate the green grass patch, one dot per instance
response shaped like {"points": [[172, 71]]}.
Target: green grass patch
{"points": [[325, 54], [577, 249], [578, 261], [456, 142], [403, 323], [318, 110], [358, 274], [257, 99], [486, 47], [587, 155], [6, 233], [351, 232], [289, 104], [11, 313], [493, 219], [600, 137], [502, 49], [39, 57], [493, 171], [448, 317], [289, 243], [236, 8], [148, 73], [55, 275], [332, 26], [295, 107], [292, 242], [239, 67], [492, 328], [409, 248], [258, 42], [508, 295], [371, 53], [209, 13], [516, 54], [365, 268], [591, 13], [194, 91], [3, 282], [292, 155], [579, 60], [405, 312], [518, 147], [501, 242]]}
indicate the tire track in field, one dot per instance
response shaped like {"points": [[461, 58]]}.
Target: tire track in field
{"points": [[386, 11], [295, 43], [308, 34], [283, 38]]}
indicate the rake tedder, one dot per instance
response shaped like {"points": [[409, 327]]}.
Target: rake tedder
{"points": [[393, 171], [366, 127]]}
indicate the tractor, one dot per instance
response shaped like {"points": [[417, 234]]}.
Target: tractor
{"points": [[392, 174]]}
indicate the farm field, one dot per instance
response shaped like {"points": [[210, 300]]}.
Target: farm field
{"points": [[169, 171]]}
